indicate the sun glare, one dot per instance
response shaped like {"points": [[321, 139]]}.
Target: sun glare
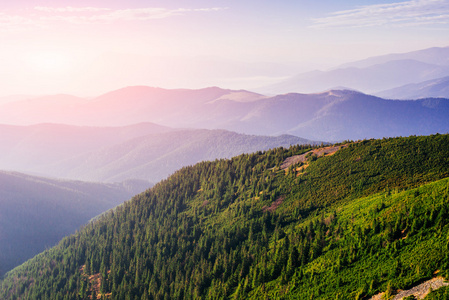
{"points": [[49, 62]]}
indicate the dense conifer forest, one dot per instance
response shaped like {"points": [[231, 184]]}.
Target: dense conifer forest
{"points": [[370, 218]]}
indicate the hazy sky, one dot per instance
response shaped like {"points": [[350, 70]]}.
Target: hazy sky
{"points": [[87, 47]]}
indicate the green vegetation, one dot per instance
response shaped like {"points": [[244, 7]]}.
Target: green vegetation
{"points": [[440, 294], [371, 218]]}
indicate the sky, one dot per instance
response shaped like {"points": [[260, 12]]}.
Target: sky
{"points": [[87, 48]]}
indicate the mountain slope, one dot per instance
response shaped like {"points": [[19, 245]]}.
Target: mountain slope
{"points": [[363, 220], [339, 115], [434, 56], [437, 88], [36, 212], [370, 79], [155, 156], [371, 75], [144, 151], [31, 149]]}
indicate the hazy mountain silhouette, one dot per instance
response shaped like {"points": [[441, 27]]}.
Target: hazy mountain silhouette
{"points": [[371, 75], [436, 88], [32, 149], [121, 107], [434, 56], [334, 115], [155, 156], [36, 212], [369, 79], [144, 151], [340, 115]]}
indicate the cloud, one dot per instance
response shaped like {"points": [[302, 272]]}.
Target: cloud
{"points": [[399, 14], [69, 9], [104, 15], [42, 16], [15, 22]]}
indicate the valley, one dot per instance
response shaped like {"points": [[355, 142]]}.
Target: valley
{"points": [[326, 185]]}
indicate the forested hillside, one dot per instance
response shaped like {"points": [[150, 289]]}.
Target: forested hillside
{"points": [[370, 218]]}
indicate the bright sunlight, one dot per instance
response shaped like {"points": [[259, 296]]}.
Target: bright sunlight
{"points": [[50, 62]]}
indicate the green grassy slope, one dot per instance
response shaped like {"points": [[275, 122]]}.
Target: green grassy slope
{"points": [[363, 247], [369, 218]]}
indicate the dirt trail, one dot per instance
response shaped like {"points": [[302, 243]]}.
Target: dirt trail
{"points": [[419, 291], [293, 160]]}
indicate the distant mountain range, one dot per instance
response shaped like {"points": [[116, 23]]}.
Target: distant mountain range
{"points": [[434, 56], [339, 115], [33, 149], [371, 75], [155, 156], [436, 88], [36, 212], [122, 107], [111, 154], [329, 116]]}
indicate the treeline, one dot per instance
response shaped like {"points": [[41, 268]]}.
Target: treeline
{"points": [[350, 225]]}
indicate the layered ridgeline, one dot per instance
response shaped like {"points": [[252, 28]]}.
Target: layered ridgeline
{"points": [[156, 156], [436, 88], [366, 218], [39, 149], [145, 151], [373, 74], [329, 116], [36, 212]]}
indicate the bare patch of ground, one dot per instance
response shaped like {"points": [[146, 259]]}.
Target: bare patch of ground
{"points": [[274, 205], [293, 160], [95, 280], [419, 291], [301, 169]]}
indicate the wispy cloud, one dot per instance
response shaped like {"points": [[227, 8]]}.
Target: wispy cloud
{"points": [[41, 16], [69, 9], [9, 22], [407, 13], [86, 16], [104, 15]]}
